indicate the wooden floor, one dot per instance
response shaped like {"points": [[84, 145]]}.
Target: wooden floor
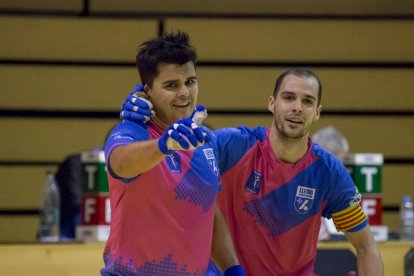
{"points": [[86, 259]]}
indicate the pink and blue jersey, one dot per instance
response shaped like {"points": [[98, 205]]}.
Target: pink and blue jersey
{"points": [[161, 220], [273, 209]]}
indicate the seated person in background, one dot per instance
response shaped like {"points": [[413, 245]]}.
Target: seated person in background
{"points": [[68, 178], [332, 140], [69, 181]]}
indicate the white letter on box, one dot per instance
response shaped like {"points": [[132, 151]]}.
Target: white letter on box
{"points": [[90, 208], [369, 173], [368, 206], [91, 172]]}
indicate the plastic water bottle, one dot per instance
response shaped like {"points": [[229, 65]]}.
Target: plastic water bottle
{"points": [[50, 211], [407, 219]]}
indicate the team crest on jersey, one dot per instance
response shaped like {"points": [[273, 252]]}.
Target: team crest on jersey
{"points": [[174, 162], [211, 160], [304, 199], [254, 183]]}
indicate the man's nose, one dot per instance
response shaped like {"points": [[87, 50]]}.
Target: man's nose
{"points": [[297, 106], [183, 92]]}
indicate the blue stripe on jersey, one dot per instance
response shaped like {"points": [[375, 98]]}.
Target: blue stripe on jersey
{"points": [[276, 211], [200, 185], [282, 209], [193, 189]]}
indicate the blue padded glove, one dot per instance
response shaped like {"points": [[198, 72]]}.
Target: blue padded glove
{"points": [[185, 134], [181, 135], [136, 107], [236, 270]]}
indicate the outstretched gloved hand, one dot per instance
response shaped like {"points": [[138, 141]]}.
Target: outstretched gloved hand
{"points": [[186, 133]]}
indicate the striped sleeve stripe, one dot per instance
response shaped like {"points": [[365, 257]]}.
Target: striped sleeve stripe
{"points": [[349, 218], [348, 221], [355, 222], [344, 229], [344, 212]]}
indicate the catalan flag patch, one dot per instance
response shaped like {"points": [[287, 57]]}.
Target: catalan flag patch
{"points": [[349, 218]]}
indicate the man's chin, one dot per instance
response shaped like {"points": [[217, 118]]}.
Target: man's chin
{"points": [[184, 114], [294, 135]]}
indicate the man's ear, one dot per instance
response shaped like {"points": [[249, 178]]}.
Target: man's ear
{"points": [[147, 90], [318, 113], [271, 104]]}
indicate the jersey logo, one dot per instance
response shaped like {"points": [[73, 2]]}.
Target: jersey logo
{"points": [[174, 162], [254, 183], [304, 199], [356, 199], [211, 160], [117, 136]]}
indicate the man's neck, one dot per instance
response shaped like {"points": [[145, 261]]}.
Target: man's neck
{"points": [[159, 123], [288, 150]]}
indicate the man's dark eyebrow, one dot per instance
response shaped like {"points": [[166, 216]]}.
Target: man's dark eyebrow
{"points": [[175, 80], [169, 81], [292, 93], [311, 97]]}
